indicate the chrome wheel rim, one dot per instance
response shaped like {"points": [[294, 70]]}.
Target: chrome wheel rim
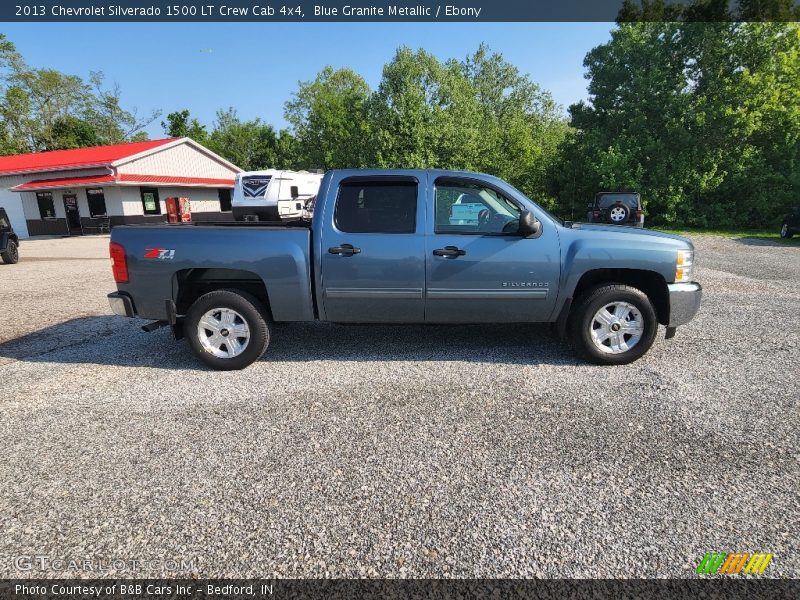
{"points": [[616, 328], [784, 230], [223, 332], [617, 214]]}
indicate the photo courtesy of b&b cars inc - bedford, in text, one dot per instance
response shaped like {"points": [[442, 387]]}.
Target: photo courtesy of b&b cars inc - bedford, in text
{"points": [[381, 300]]}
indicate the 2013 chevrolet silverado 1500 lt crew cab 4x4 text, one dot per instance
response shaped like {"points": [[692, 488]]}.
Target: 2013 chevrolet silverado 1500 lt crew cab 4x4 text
{"points": [[398, 246]]}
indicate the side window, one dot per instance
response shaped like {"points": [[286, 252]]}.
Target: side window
{"points": [[97, 202], [47, 209], [471, 208], [376, 207], [150, 202]]}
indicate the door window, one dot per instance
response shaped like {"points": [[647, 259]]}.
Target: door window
{"points": [[376, 207], [471, 208], [224, 196]]}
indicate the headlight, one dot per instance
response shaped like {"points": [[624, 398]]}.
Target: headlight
{"points": [[684, 266]]}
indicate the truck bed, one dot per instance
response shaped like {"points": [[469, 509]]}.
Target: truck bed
{"points": [[160, 256]]}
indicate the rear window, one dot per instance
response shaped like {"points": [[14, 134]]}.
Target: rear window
{"points": [[376, 207], [255, 186], [629, 200]]}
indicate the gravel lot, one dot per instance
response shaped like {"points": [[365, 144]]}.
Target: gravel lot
{"points": [[399, 451]]}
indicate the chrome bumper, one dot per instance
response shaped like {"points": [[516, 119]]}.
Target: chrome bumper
{"points": [[684, 302], [121, 304]]}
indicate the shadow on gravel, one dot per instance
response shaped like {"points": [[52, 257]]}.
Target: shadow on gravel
{"points": [[765, 241], [110, 340]]}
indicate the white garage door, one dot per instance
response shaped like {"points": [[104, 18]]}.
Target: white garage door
{"points": [[12, 202]]}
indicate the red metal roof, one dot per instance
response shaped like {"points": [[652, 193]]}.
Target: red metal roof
{"points": [[75, 159], [169, 179], [122, 178]]}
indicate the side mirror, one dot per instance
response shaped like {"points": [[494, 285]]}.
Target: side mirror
{"points": [[528, 224]]}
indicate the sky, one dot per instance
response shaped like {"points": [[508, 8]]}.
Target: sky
{"points": [[255, 67]]}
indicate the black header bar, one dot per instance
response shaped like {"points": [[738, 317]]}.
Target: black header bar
{"points": [[243, 11]]}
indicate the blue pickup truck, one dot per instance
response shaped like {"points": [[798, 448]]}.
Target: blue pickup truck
{"points": [[398, 246]]}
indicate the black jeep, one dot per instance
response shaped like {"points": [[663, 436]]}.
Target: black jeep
{"points": [[616, 208], [9, 242], [791, 223]]}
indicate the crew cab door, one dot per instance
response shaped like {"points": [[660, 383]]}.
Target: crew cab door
{"points": [[372, 250], [479, 268]]}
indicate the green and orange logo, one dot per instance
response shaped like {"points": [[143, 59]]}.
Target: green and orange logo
{"points": [[732, 563]]}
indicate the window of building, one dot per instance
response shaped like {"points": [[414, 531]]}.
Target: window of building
{"points": [[47, 209], [224, 199], [381, 206], [150, 202], [97, 202]]}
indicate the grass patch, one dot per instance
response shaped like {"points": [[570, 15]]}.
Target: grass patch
{"points": [[772, 236]]}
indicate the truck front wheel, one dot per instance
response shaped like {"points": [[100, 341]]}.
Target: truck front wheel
{"points": [[613, 324], [227, 329]]}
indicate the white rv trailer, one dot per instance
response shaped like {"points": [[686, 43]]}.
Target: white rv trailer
{"points": [[273, 195]]}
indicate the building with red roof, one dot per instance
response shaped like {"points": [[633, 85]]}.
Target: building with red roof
{"points": [[88, 190]]}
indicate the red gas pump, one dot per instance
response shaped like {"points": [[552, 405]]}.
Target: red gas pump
{"points": [[179, 210]]}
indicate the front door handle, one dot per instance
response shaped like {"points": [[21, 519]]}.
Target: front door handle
{"points": [[344, 250], [449, 251]]}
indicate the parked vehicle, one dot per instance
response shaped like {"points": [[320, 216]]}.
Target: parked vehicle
{"points": [[9, 242], [381, 248], [616, 208], [273, 195], [791, 223]]}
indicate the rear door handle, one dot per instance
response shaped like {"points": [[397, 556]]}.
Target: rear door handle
{"points": [[449, 251], [344, 250]]}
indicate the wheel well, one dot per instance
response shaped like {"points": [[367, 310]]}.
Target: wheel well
{"points": [[190, 284], [650, 282]]}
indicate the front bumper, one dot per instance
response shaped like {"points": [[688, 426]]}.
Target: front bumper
{"points": [[684, 302], [121, 304]]}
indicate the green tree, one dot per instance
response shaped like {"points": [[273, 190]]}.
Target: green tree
{"points": [[181, 124], [250, 145], [72, 132], [329, 120], [702, 118], [44, 109]]}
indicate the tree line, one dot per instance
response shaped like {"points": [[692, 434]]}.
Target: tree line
{"points": [[702, 118]]}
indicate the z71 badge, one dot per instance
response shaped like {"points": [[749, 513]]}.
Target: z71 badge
{"points": [[159, 253]]}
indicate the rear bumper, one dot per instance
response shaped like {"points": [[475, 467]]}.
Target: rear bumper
{"points": [[121, 304], [684, 302]]}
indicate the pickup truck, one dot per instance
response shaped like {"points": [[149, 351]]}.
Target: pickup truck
{"points": [[382, 248]]}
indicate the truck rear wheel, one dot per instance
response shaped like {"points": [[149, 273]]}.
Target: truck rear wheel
{"points": [[227, 329], [613, 324], [11, 255]]}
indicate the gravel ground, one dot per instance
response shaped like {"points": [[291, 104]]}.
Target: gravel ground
{"points": [[399, 451]]}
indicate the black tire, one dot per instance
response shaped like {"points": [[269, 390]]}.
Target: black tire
{"points": [[11, 254], [626, 211], [251, 312], [582, 323], [786, 231]]}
